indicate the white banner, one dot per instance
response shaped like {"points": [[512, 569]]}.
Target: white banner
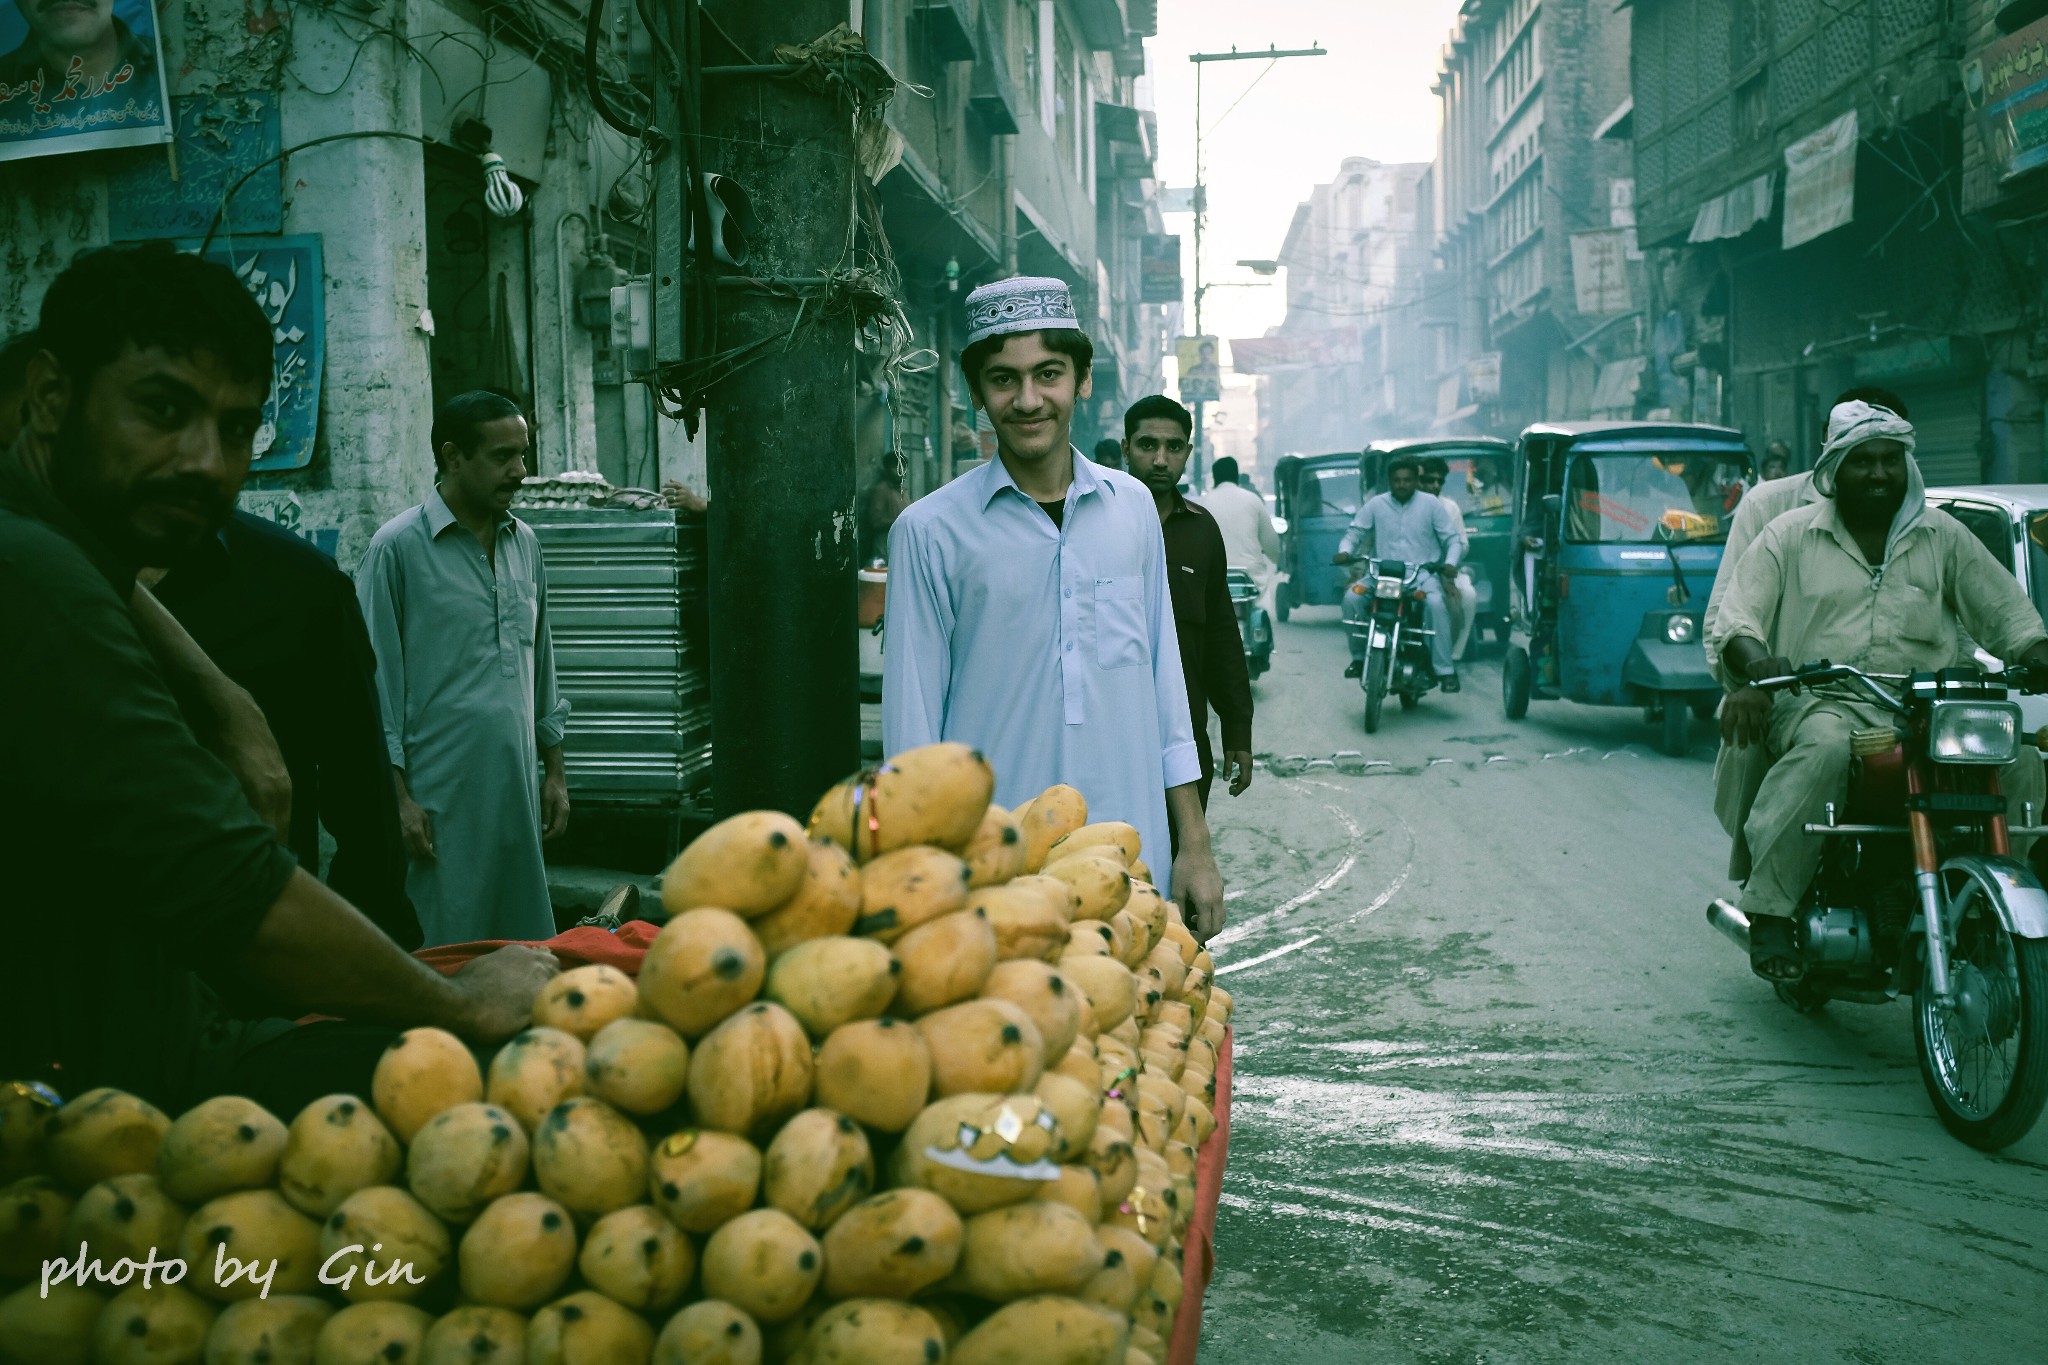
{"points": [[1600, 271], [1820, 181]]}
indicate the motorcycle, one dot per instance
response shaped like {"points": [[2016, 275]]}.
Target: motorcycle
{"points": [[1918, 892], [1253, 624], [1397, 636]]}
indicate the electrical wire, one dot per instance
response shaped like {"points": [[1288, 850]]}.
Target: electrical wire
{"points": [[244, 178], [593, 29]]}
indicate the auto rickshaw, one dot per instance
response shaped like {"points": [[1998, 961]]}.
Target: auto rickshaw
{"points": [[1481, 482], [1620, 527], [1319, 494]]}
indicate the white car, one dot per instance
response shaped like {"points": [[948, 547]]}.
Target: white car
{"points": [[2011, 519]]}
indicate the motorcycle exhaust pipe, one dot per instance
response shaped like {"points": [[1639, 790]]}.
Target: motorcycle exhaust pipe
{"points": [[1729, 921]]}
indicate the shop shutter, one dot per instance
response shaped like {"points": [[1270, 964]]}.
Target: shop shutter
{"points": [[1948, 425]]}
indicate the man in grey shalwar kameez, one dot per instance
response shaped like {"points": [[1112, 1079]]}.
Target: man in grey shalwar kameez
{"points": [[455, 599]]}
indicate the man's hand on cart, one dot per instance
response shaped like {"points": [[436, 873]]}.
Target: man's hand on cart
{"points": [[497, 991]]}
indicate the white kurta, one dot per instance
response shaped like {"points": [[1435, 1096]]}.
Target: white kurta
{"points": [[1049, 648]]}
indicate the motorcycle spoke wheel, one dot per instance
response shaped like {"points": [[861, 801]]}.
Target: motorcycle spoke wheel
{"points": [[1984, 1055]]}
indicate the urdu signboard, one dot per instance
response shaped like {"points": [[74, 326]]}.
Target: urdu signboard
{"points": [[2007, 84]]}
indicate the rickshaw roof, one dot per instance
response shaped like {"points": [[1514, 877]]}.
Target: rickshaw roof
{"points": [[1351, 455], [1392, 446], [1696, 435]]}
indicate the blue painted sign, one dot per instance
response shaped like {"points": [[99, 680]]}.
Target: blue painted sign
{"points": [[220, 138], [79, 77], [287, 278]]}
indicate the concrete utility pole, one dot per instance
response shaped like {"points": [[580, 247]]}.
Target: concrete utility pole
{"points": [[1201, 59], [785, 655]]}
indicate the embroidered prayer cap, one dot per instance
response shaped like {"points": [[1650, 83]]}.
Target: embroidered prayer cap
{"points": [[1022, 303]]}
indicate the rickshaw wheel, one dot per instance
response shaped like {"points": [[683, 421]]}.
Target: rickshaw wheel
{"points": [[1677, 727], [1280, 603], [1514, 682]]}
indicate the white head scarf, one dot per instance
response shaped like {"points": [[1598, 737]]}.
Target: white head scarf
{"points": [[1849, 426]]}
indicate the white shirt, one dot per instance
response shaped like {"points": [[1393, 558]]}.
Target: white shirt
{"points": [[1249, 538], [1421, 530], [1049, 648]]}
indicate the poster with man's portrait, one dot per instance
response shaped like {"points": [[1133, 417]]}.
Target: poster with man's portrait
{"points": [[76, 75]]}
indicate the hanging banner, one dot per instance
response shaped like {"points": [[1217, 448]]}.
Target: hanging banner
{"points": [[220, 138], [1159, 268], [1820, 181], [80, 75], [1297, 351], [1201, 376], [1600, 271], [287, 278], [1482, 378], [2007, 85]]}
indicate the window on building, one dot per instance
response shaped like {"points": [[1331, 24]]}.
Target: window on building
{"points": [[1066, 97], [1024, 48]]}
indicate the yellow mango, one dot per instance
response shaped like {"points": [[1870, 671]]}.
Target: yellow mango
{"points": [[825, 905], [1051, 816], [996, 853], [935, 795], [908, 887], [703, 965], [749, 864]]}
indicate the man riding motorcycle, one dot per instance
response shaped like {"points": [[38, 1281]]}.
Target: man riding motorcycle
{"points": [[1410, 525], [1464, 604], [1870, 576]]}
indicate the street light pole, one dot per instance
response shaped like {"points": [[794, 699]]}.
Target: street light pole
{"points": [[1198, 460]]}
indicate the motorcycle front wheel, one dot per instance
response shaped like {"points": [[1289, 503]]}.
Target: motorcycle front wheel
{"points": [[1984, 1056], [1376, 661]]}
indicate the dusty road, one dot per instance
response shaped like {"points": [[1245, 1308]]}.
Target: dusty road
{"points": [[1503, 1096]]}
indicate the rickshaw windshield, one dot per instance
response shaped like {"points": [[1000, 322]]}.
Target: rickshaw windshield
{"points": [[1329, 490], [1479, 485], [1634, 498]]}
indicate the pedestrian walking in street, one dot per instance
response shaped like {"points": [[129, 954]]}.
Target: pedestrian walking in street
{"points": [[1029, 613], [281, 619], [1109, 453], [455, 598], [1157, 443], [1406, 524], [1250, 540], [1868, 573], [132, 851], [1776, 464], [1464, 603]]}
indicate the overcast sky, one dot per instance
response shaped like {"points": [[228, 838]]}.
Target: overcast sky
{"points": [[1369, 97]]}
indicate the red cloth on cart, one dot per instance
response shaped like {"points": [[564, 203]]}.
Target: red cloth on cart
{"points": [[575, 947], [1198, 1260]]}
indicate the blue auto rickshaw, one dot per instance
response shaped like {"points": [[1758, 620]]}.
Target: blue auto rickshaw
{"points": [[1620, 527], [1481, 483], [1318, 495]]}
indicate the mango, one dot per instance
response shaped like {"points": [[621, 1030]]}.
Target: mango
{"points": [[476, 1334], [1063, 896], [589, 1158], [1082, 1064], [997, 851], [909, 887], [32, 1214], [586, 1328], [163, 1324], [1080, 1189], [1036, 1247], [892, 1245], [1028, 922], [518, 1253], [877, 1072], [636, 1257], [709, 1332], [990, 1046], [254, 1228], [703, 965], [1114, 1286], [749, 864], [826, 982], [751, 1072], [219, 1145], [464, 1158], [1108, 984], [637, 1065], [102, 1133], [825, 905], [1050, 816], [817, 1168], [1077, 1106], [335, 1147], [978, 1151], [1101, 882], [1112, 834], [584, 999], [874, 1332], [943, 962], [25, 1109], [764, 1263], [279, 1330], [383, 1244], [702, 1179], [128, 1215], [56, 1329], [373, 1334], [935, 795], [422, 1072], [1045, 1331]]}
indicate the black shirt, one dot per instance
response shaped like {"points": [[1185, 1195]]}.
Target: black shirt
{"points": [[281, 619], [1211, 649], [133, 863]]}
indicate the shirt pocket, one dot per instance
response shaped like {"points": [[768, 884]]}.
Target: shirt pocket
{"points": [[1917, 615], [1121, 638], [521, 611]]}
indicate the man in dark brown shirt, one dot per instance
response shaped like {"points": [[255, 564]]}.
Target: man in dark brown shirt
{"points": [[1156, 449]]}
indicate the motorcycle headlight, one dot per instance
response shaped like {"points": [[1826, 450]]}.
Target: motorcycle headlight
{"points": [[1681, 630], [1387, 587], [1986, 732]]}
